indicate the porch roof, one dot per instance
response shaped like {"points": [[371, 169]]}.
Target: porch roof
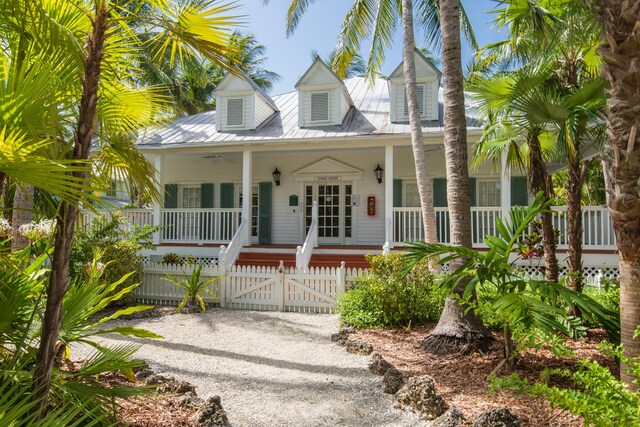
{"points": [[369, 117]]}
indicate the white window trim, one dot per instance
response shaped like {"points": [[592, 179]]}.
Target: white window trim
{"points": [[403, 91], [405, 193], [241, 98], [487, 180], [181, 189], [328, 120]]}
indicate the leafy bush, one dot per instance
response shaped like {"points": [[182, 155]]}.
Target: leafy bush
{"points": [[192, 287], [598, 396], [609, 297], [171, 258], [386, 297], [117, 248]]}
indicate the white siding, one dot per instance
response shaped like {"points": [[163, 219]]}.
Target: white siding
{"points": [[431, 100], [304, 98], [344, 105], [221, 109], [397, 93], [263, 111]]}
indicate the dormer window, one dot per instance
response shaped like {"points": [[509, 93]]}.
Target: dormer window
{"points": [[319, 107], [421, 101], [235, 112]]}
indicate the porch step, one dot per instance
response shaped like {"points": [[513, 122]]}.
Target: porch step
{"points": [[266, 259], [272, 259]]}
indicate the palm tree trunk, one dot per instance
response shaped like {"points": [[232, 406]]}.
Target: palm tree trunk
{"points": [[66, 220], [22, 214], [607, 174], [415, 123], [621, 55], [575, 179], [540, 181], [456, 330]]}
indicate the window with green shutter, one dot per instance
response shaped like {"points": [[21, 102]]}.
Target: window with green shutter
{"points": [[171, 196], [226, 195], [440, 193], [519, 191], [265, 198]]}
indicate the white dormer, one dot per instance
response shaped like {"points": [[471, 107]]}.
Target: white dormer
{"points": [[428, 82], [241, 104], [323, 98]]}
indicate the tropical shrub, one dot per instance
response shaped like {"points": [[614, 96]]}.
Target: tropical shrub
{"points": [[23, 281], [608, 296], [171, 258], [597, 395], [387, 297], [118, 249], [192, 286], [527, 309]]}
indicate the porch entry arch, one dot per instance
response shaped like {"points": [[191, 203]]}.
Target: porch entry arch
{"points": [[330, 183]]}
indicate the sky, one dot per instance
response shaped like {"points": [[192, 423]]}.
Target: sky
{"points": [[319, 28]]}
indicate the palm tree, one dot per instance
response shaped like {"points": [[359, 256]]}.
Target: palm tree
{"points": [[108, 107], [356, 68], [458, 329], [620, 54]]}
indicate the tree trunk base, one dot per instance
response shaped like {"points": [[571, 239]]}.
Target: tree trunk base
{"points": [[460, 342]]}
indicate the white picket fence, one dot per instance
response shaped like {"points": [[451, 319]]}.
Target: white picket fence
{"points": [[253, 288]]}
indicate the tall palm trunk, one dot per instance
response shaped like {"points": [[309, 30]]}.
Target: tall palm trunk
{"points": [[456, 330], [620, 52], [540, 181], [22, 214], [417, 141], [66, 220], [577, 171]]}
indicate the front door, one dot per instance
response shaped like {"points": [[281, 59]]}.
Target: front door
{"points": [[334, 211]]}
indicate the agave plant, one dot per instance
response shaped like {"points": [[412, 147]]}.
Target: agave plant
{"points": [[192, 287], [522, 304]]}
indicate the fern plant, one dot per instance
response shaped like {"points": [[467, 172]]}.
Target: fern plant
{"points": [[192, 286], [523, 305]]}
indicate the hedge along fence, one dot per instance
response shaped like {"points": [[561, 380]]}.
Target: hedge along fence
{"points": [[253, 288]]}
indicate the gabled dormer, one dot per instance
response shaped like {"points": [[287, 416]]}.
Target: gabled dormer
{"points": [[323, 99], [428, 81], [241, 104]]}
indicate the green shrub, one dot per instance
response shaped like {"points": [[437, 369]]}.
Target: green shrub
{"points": [[609, 296], [598, 396], [386, 297], [119, 250], [171, 258]]}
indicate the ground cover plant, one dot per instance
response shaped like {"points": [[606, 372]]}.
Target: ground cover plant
{"points": [[386, 297], [193, 286]]}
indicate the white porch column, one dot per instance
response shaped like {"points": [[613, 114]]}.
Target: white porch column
{"points": [[246, 195], [157, 206], [388, 195], [505, 186]]}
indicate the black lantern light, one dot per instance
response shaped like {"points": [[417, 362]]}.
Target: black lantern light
{"points": [[378, 173], [276, 176]]}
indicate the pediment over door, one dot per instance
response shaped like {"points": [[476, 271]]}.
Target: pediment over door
{"points": [[328, 169]]}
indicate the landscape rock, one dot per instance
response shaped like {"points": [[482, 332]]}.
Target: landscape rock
{"points": [[452, 418], [143, 375], [501, 417], [392, 381], [189, 400], [378, 365], [164, 384], [358, 347], [342, 335], [211, 413], [420, 394]]}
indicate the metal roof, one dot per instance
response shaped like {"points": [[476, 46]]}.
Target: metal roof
{"points": [[369, 117]]}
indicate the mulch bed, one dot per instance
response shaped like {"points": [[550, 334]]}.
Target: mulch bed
{"points": [[462, 380]]}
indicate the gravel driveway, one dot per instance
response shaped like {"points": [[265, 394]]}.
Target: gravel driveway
{"points": [[270, 368]]}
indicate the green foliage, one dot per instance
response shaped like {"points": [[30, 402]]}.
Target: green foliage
{"points": [[608, 296], [117, 248], [522, 305], [597, 395], [192, 287], [386, 297], [76, 394], [171, 258]]}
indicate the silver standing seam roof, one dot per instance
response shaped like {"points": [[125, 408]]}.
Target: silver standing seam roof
{"points": [[368, 118]]}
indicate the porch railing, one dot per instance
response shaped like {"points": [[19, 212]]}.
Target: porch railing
{"points": [[228, 255], [199, 225], [133, 217], [597, 226], [304, 252]]}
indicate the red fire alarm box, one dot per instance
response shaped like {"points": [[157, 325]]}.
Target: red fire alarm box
{"points": [[371, 205]]}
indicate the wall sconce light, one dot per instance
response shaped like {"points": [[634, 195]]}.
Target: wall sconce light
{"points": [[378, 173], [276, 176]]}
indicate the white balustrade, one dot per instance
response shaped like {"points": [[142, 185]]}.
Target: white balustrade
{"points": [[304, 252], [596, 222], [227, 256], [132, 217], [199, 225]]}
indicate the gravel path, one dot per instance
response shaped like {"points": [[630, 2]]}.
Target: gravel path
{"points": [[270, 369]]}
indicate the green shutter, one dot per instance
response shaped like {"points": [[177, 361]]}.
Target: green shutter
{"points": [[171, 196], [264, 212], [439, 192], [226, 195], [472, 189], [519, 192], [206, 196], [397, 193]]}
